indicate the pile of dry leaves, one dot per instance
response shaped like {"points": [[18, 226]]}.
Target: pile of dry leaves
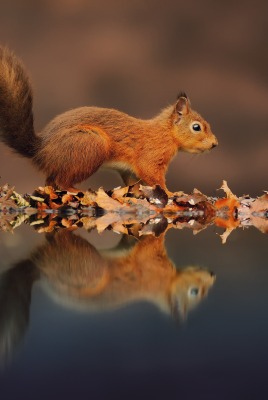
{"points": [[134, 209]]}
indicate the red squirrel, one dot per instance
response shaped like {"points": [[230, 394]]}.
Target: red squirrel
{"points": [[76, 143]]}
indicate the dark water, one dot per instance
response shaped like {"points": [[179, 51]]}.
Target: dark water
{"points": [[80, 333]]}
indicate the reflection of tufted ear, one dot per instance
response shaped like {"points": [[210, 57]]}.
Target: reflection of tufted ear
{"points": [[182, 106]]}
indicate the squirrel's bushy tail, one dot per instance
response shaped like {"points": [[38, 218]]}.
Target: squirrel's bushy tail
{"points": [[16, 115]]}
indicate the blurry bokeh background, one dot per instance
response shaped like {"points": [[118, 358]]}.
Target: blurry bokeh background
{"points": [[136, 56]]}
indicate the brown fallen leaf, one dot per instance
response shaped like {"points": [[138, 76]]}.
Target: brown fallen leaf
{"points": [[226, 234], [48, 229], [88, 223], [50, 191], [119, 193], [67, 198], [89, 199], [192, 199], [119, 227], [227, 190], [137, 209], [155, 195], [106, 202]]}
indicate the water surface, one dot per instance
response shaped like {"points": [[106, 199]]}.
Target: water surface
{"points": [[62, 338]]}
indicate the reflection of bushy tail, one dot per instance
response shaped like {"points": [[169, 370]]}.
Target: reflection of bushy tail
{"points": [[15, 298], [16, 116]]}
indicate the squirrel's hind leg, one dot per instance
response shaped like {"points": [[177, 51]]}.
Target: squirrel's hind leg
{"points": [[51, 182], [72, 156]]}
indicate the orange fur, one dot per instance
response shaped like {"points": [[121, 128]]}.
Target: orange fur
{"points": [[86, 278], [76, 143], [77, 275]]}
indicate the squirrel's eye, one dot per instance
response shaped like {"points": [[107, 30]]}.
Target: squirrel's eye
{"points": [[196, 127], [193, 292]]}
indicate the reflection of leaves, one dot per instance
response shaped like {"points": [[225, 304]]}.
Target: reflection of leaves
{"points": [[136, 209], [255, 212]]}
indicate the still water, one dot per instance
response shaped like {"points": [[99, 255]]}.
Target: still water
{"points": [[94, 316]]}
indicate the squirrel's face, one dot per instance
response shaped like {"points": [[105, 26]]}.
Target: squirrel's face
{"points": [[193, 133], [188, 288]]}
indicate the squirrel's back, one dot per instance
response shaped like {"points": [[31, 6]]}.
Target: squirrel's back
{"points": [[109, 120], [16, 116]]}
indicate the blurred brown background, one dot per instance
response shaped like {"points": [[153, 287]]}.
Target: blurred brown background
{"points": [[136, 56]]}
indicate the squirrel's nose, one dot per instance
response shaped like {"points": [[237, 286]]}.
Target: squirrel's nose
{"points": [[214, 145]]}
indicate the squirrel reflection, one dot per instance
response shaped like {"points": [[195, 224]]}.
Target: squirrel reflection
{"points": [[78, 275]]}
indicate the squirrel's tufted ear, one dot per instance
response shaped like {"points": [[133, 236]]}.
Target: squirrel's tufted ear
{"points": [[182, 105]]}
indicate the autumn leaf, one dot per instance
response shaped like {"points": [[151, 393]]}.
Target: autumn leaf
{"points": [[106, 202], [136, 210]]}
